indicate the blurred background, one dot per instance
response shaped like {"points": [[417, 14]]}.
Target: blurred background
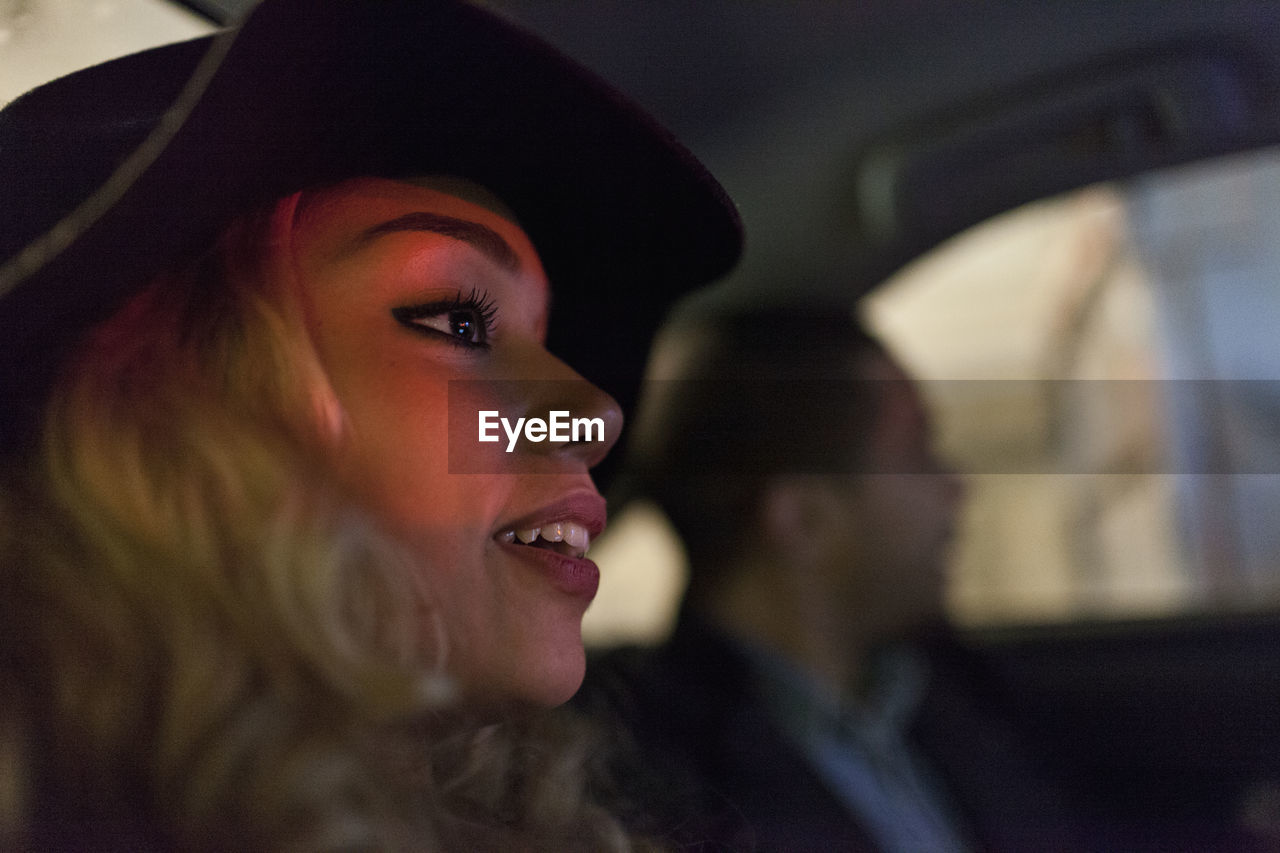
{"points": [[1065, 343]]}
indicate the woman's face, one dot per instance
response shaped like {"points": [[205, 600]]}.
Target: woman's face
{"points": [[406, 289]]}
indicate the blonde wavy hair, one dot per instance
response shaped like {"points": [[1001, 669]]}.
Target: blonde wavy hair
{"points": [[207, 643]]}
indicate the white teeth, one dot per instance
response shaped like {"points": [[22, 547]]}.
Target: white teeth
{"points": [[573, 535], [576, 535]]}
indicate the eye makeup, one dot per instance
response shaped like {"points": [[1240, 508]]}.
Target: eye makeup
{"points": [[466, 321]]}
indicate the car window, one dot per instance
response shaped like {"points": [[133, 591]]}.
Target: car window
{"points": [[1101, 367]]}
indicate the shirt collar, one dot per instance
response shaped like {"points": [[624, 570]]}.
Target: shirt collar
{"points": [[805, 706]]}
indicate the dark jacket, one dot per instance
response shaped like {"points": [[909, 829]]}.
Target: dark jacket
{"points": [[699, 761]]}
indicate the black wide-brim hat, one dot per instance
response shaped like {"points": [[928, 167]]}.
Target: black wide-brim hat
{"points": [[304, 94]]}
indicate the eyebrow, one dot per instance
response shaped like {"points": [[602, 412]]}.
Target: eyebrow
{"points": [[484, 238]]}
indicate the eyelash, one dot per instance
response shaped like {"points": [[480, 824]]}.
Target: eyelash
{"points": [[481, 308]]}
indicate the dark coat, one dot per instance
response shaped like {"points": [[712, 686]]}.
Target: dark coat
{"points": [[699, 762]]}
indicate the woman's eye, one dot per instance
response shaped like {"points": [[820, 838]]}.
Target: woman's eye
{"points": [[465, 321], [464, 325]]}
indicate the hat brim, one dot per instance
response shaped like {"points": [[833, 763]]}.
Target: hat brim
{"points": [[625, 218]]}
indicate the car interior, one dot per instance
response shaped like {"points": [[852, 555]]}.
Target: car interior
{"points": [[1062, 217]]}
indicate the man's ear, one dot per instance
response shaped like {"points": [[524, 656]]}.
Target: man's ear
{"points": [[794, 516]]}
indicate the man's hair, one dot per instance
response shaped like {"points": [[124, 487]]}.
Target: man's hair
{"points": [[738, 396]]}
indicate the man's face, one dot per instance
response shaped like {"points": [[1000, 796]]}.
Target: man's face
{"points": [[888, 561]]}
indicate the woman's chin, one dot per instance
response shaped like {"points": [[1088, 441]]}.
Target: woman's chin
{"points": [[549, 683], [560, 677]]}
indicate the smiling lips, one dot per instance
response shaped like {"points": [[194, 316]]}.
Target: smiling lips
{"points": [[554, 539], [565, 527], [558, 549]]}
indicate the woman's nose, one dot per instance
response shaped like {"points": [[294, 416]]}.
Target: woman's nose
{"points": [[583, 422], [595, 422]]}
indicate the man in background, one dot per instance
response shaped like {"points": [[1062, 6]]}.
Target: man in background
{"points": [[811, 696]]}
